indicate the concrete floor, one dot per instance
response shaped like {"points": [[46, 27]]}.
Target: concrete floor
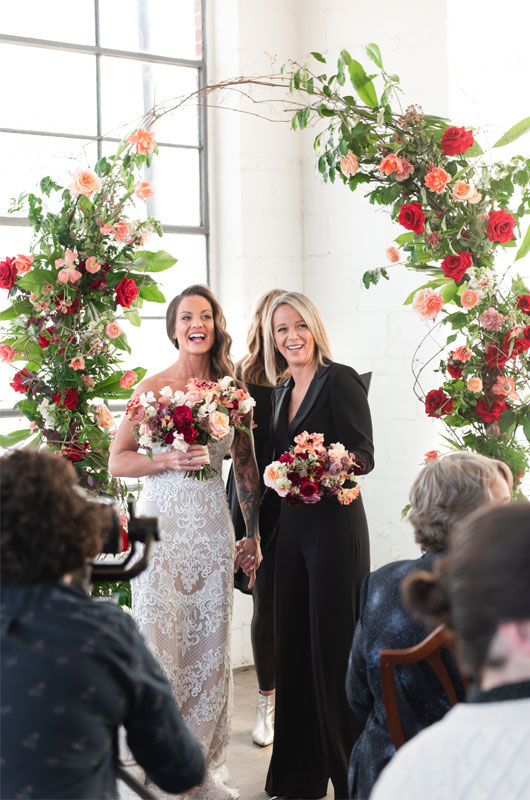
{"points": [[247, 762]]}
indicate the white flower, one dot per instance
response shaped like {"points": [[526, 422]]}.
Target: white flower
{"points": [[145, 441], [43, 406], [166, 391], [145, 399], [179, 397], [179, 443], [150, 411], [246, 405], [225, 382], [283, 485]]}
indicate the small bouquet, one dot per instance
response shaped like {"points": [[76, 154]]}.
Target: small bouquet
{"points": [[203, 414], [309, 471]]}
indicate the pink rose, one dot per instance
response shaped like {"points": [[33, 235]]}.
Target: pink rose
{"points": [[128, 379], [427, 303], [390, 164], [349, 164], [23, 264], [144, 190], [84, 181], [218, 424], [92, 265], [113, 330]]}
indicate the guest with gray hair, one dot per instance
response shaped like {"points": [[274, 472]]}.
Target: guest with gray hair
{"points": [[446, 490]]}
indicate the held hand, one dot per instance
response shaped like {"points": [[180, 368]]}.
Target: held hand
{"points": [[248, 558], [195, 457]]}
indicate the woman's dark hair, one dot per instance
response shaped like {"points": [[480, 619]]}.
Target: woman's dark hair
{"points": [[48, 528], [484, 582], [221, 363]]}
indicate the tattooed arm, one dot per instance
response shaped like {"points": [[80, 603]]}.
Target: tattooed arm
{"points": [[248, 553]]}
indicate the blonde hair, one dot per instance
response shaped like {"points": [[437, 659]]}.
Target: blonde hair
{"points": [[275, 363], [447, 490], [251, 368]]}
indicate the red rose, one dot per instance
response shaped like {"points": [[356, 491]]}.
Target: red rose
{"points": [[455, 267], [293, 500], [182, 416], [454, 370], [495, 357], [500, 226], [8, 273], [19, 382], [456, 140], [437, 403], [308, 488], [526, 337], [317, 472], [190, 434], [168, 437], [513, 346], [295, 478], [126, 292], [411, 216], [98, 285], [75, 451], [69, 401], [43, 341], [523, 303], [286, 458], [490, 413]]}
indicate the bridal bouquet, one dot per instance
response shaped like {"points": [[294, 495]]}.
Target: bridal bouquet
{"points": [[203, 414], [309, 471]]}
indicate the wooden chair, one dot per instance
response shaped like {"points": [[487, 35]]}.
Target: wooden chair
{"points": [[429, 650]]}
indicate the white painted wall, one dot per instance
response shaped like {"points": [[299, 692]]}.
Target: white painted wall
{"points": [[274, 223]]}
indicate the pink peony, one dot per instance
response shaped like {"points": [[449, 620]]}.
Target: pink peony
{"points": [[113, 330], [491, 319], [427, 303], [23, 264], [144, 190], [349, 164], [128, 379]]}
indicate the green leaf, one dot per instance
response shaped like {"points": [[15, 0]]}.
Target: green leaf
{"points": [[525, 247], [134, 317], [474, 150], [526, 427], [373, 52], [517, 130], [11, 439], [121, 342], [19, 309], [153, 262], [405, 510], [152, 293], [449, 291], [506, 420], [363, 85], [319, 57], [431, 285], [404, 238], [33, 280]]}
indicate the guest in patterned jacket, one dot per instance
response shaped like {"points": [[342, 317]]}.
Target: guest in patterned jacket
{"points": [[445, 491], [73, 669]]}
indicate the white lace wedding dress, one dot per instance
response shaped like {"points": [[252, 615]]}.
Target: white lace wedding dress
{"points": [[183, 606]]}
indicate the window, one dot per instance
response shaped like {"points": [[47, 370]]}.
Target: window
{"points": [[78, 82]]}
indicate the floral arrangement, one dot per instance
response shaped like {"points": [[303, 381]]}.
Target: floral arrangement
{"points": [[203, 414], [87, 270], [309, 471], [457, 212]]}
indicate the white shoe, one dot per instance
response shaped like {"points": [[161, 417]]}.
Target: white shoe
{"points": [[263, 733]]}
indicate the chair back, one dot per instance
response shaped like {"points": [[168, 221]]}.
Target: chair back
{"points": [[429, 650]]}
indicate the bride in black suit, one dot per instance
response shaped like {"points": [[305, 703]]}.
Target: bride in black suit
{"points": [[322, 557]]}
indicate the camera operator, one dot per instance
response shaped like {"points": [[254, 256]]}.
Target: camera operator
{"points": [[73, 669]]}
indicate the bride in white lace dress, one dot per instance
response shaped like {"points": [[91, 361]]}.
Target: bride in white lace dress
{"points": [[183, 601]]}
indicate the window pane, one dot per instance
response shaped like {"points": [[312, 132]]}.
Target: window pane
{"points": [[175, 177], [14, 239], [130, 88], [190, 252], [48, 90], [53, 19], [165, 27], [31, 158]]}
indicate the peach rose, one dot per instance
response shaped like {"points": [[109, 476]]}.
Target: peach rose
{"points": [[427, 303], [349, 164], [392, 253], [103, 417], [474, 384], [106, 229], [23, 264], [128, 379], [92, 265], [218, 424], [7, 354], [437, 179], [462, 354], [144, 190], [78, 362], [469, 298], [391, 163], [84, 181], [462, 191], [113, 330], [143, 141], [475, 198]]}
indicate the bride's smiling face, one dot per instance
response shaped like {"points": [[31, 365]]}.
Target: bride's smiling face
{"points": [[194, 325], [292, 337]]}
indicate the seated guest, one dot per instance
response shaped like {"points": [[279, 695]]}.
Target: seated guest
{"points": [[445, 491], [480, 750], [73, 669]]}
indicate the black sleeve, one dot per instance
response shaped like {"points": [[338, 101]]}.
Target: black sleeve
{"points": [[358, 690], [351, 415], [156, 733]]}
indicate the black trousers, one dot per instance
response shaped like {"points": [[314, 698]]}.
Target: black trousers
{"points": [[262, 626], [318, 570]]}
